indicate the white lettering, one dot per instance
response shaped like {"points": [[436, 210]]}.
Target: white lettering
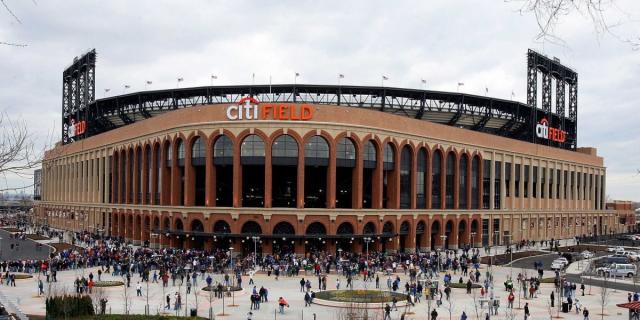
{"points": [[232, 112]]}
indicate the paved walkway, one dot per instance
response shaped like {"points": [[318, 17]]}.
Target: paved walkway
{"points": [[27, 249], [25, 295]]}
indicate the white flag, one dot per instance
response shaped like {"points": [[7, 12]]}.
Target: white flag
{"points": [[385, 78], [214, 77], [297, 74], [149, 82], [126, 86], [180, 79], [340, 75]]}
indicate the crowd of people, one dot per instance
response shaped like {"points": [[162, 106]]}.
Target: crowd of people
{"points": [[429, 276]]}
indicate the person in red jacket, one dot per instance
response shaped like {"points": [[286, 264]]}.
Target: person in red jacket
{"points": [[282, 303]]}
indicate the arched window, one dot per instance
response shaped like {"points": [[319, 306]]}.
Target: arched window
{"points": [[436, 191], [345, 153], [284, 150], [198, 152], [252, 147], [223, 151], [370, 155], [316, 161], [475, 172], [421, 167], [389, 157], [167, 151], [149, 173], [405, 178], [449, 182], [464, 172], [284, 160], [180, 152], [317, 150]]}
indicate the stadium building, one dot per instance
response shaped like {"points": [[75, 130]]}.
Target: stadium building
{"points": [[298, 168]]}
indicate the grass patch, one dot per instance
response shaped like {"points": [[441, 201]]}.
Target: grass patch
{"points": [[22, 276], [548, 280], [224, 288], [66, 246], [11, 229], [503, 259], [360, 296], [106, 284], [36, 237], [457, 285]]}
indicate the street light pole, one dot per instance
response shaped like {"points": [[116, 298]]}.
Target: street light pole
{"points": [[255, 250]]}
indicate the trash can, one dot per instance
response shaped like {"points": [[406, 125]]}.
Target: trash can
{"points": [[194, 312], [565, 307]]}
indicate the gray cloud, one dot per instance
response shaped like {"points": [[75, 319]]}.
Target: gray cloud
{"points": [[478, 43]]}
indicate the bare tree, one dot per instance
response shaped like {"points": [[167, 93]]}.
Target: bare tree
{"points": [[549, 14], [18, 152], [96, 298], [605, 294], [15, 17], [449, 306], [127, 300]]}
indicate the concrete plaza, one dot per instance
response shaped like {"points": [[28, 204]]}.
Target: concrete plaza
{"points": [[26, 298]]}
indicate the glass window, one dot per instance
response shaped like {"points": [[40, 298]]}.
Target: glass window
{"points": [[388, 153], [449, 182], [436, 192], [405, 178], [475, 171], [346, 149], [223, 148], [198, 149], [285, 147], [252, 146], [420, 179], [507, 179], [370, 155], [316, 147], [180, 150], [496, 185], [462, 197]]}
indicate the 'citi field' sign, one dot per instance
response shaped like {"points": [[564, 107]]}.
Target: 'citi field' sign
{"points": [[249, 108], [545, 132]]}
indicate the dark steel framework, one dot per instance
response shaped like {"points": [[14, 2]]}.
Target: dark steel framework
{"points": [[552, 71], [78, 91], [501, 117]]}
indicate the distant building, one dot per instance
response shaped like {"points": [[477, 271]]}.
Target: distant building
{"points": [[626, 215]]}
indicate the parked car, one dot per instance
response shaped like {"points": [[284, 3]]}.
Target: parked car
{"points": [[587, 254], [618, 270], [557, 266], [633, 256], [562, 260]]}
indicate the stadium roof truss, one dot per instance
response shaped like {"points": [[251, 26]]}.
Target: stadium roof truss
{"points": [[479, 113]]}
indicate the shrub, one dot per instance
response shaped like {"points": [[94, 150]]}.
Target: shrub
{"points": [[62, 307], [103, 284]]}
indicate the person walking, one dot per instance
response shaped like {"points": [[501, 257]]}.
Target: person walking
{"points": [[139, 289], [585, 313], [434, 314], [463, 316], [387, 312], [552, 297], [526, 311], [282, 303]]}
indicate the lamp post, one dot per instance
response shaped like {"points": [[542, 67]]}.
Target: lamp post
{"points": [[366, 241], [511, 256], [255, 250], [473, 239], [187, 268]]}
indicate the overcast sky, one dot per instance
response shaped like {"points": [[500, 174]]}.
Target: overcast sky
{"points": [[481, 43]]}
